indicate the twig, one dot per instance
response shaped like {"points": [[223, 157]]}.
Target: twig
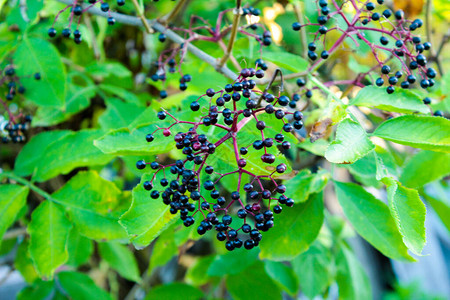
{"points": [[13, 233], [269, 85], [234, 29], [303, 37], [141, 16], [87, 21], [134, 21], [169, 17]]}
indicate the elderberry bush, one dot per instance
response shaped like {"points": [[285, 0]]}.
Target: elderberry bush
{"points": [[400, 54], [187, 181]]}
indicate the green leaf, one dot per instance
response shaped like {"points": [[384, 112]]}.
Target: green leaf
{"points": [[49, 230], [371, 219], [131, 141], [121, 259], [164, 248], [94, 205], [282, 275], [174, 291], [119, 114], [402, 101], [232, 262], [409, 215], [436, 196], [286, 60], [12, 199], [313, 269], [69, 152], [32, 153], [40, 290], [239, 285], [146, 218], [295, 230], [351, 143], [39, 56], [79, 247], [80, 286], [306, 183], [197, 272], [351, 278], [425, 167], [106, 69], [425, 132], [24, 264]]}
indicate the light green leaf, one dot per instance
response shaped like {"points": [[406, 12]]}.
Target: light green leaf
{"points": [[295, 230], [49, 230], [164, 248], [351, 143], [106, 69], [121, 259], [282, 275], [306, 183], [32, 153], [253, 276], [79, 247], [24, 264], [12, 199], [402, 101], [351, 278], [425, 132], [174, 291], [146, 218], [197, 272], [286, 60], [425, 167], [313, 269], [119, 114], [69, 152], [80, 286], [94, 205], [371, 219], [409, 215], [232, 262], [39, 56]]}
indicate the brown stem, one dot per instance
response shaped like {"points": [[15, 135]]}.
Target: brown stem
{"points": [[271, 82], [169, 17], [234, 29], [142, 17]]}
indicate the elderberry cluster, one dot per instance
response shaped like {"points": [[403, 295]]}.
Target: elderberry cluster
{"points": [[13, 128], [77, 10], [193, 187], [398, 41]]}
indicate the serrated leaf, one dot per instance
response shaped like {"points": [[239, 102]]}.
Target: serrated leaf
{"points": [[424, 132], [371, 219], [402, 101], [146, 218], [71, 151], [39, 56], [313, 269], [121, 259], [32, 153], [175, 290], [351, 143], [282, 275], [409, 215], [425, 167], [253, 276], [49, 229], [118, 114], [94, 205], [288, 61], [296, 229], [12, 199], [80, 286], [306, 183], [351, 278]]}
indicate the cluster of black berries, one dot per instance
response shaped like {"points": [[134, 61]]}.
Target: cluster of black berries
{"points": [[11, 81], [76, 9], [14, 132], [407, 48], [194, 187]]}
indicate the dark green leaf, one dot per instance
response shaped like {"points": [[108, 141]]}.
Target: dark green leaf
{"points": [[174, 291], [425, 167], [80, 286], [288, 61], [119, 114], [80, 248], [282, 275], [121, 259], [295, 230], [40, 290], [232, 262]]}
